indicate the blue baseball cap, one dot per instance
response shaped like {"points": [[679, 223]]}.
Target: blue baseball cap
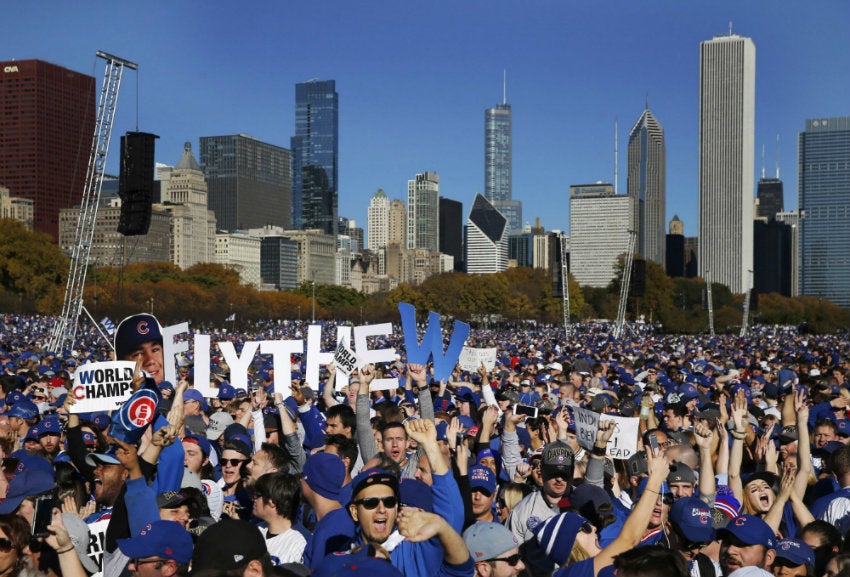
{"points": [[164, 539], [795, 551], [324, 473], [49, 426], [32, 476], [345, 564], [693, 518], [195, 395], [751, 530], [23, 409], [481, 477], [133, 331]]}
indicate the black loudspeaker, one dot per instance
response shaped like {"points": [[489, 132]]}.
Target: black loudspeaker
{"points": [[638, 284], [135, 182]]}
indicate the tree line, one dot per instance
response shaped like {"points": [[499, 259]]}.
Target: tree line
{"points": [[33, 272]]}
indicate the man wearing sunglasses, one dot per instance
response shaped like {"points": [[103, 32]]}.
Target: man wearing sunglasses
{"points": [[162, 549], [494, 549], [418, 543]]}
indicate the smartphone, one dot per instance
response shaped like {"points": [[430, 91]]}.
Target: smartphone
{"points": [[42, 514], [527, 410], [460, 438], [653, 442]]}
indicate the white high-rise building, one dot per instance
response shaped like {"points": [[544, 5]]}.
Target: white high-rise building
{"points": [[378, 221], [192, 223], [423, 211], [599, 232], [726, 160], [240, 252], [486, 240]]}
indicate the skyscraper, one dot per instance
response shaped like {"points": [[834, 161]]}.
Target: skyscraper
{"points": [[498, 163], [769, 193], [647, 185], [192, 223], [824, 202], [378, 221], [599, 232], [423, 211], [315, 156], [486, 238], [46, 128], [726, 157], [451, 230], [397, 223], [249, 181]]}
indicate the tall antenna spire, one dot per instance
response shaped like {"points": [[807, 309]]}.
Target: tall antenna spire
{"points": [[616, 163], [762, 161], [777, 157], [730, 28], [504, 86]]}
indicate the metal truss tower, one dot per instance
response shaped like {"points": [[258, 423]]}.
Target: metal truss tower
{"points": [[65, 331], [624, 285]]}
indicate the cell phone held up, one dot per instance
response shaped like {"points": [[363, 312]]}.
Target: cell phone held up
{"points": [[527, 410], [42, 514]]}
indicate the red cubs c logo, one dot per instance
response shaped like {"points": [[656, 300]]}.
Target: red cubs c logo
{"points": [[142, 411], [142, 328]]}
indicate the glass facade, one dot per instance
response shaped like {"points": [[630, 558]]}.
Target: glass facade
{"points": [[315, 156], [647, 185], [248, 181], [498, 163], [824, 201]]}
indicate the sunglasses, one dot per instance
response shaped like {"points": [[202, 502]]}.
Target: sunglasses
{"points": [[233, 462], [370, 503], [5, 545], [513, 560], [139, 562]]}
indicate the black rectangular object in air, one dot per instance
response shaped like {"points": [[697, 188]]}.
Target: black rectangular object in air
{"points": [[135, 182], [638, 284]]}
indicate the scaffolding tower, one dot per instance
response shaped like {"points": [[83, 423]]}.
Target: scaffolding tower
{"points": [[65, 332]]}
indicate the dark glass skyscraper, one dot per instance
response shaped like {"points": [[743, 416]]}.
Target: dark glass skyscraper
{"points": [[451, 230], [315, 156], [248, 181], [824, 201], [648, 185], [769, 193], [498, 163]]}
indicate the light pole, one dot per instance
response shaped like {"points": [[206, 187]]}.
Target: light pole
{"points": [[313, 281]]}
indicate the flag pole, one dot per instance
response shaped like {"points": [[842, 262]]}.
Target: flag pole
{"points": [[97, 326]]}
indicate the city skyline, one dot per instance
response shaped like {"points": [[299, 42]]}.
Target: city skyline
{"points": [[408, 107]]}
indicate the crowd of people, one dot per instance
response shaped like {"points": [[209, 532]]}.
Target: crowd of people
{"points": [[740, 466]]}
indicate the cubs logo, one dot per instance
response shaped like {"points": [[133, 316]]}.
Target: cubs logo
{"points": [[139, 410], [740, 521], [142, 328]]}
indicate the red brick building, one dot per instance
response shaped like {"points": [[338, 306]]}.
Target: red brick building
{"points": [[47, 119]]}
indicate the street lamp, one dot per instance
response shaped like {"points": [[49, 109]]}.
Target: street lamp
{"points": [[313, 281]]}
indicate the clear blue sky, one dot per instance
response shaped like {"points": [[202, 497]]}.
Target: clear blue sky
{"points": [[414, 79]]}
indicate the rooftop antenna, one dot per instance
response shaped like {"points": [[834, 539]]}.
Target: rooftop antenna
{"points": [[777, 157], [762, 161], [730, 28], [616, 165], [504, 86]]}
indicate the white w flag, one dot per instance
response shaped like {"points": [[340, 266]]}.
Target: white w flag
{"points": [[232, 317], [108, 325]]}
